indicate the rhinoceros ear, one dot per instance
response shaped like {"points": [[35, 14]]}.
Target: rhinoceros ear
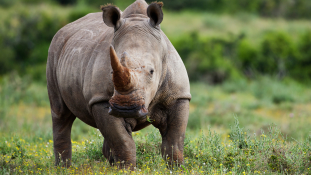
{"points": [[155, 13], [111, 16]]}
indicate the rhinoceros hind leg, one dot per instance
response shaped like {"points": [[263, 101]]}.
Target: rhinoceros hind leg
{"points": [[61, 138], [119, 140]]}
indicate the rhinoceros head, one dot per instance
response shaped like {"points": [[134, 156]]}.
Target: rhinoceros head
{"points": [[136, 55]]}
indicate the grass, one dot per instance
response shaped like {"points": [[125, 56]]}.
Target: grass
{"points": [[230, 131], [256, 104], [220, 25]]}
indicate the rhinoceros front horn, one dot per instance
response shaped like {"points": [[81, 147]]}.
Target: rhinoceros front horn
{"points": [[121, 75]]}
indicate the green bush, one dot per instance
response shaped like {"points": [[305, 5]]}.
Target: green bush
{"points": [[247, 54], [277, 51], [301, 67], [7, 3], [209, 59], [6, 57], [25, 38], [215, 60]]}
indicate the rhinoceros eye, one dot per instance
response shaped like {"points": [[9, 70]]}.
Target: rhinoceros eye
{"points": [[151, 71]]}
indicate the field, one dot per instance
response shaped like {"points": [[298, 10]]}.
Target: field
{"points": [[258, 125], [215, 25], [238, 127]]}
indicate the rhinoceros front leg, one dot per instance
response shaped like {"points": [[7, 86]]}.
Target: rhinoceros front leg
{"points": [[117, 138], [61, 138], [107, 152], [172, 126]]}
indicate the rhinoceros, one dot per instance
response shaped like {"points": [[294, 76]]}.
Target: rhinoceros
{"points": [[118, 72]]}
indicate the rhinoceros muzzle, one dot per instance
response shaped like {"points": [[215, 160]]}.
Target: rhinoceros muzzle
{"points": [[128, 111]]}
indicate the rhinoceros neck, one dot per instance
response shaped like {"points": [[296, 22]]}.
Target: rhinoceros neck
{"points": [[138, 7]]}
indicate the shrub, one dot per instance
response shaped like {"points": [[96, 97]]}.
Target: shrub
{"points": [[247, 55], [277, 162], [215, 60], [25, 38], [7, 3], [277, 53], [301, 66], [208, 59]]}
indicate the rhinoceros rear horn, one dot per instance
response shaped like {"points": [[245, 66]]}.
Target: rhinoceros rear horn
{"points": [[111, 16], [121, 75], [155, 13]]}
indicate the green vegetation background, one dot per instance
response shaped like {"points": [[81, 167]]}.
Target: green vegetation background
{"points": [[239, 46], [249, 60]]}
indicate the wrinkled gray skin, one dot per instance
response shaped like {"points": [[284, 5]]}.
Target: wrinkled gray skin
{"points": [[81, 85]]}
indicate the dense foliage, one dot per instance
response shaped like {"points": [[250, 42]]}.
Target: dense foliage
{"points": [[25, 38], [216, 59]]}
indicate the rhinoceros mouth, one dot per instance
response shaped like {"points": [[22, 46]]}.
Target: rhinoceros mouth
{"points": [[126, 108], [128, 111]]}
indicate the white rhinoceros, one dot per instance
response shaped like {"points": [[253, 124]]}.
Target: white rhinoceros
{"points": [[111, 70]]}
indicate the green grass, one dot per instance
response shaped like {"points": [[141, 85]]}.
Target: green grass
{"points": [[216, 25], [237, 128], [256, 104]]}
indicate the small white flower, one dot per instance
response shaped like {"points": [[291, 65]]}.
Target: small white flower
{"points": [[171, 172], [203, 163], [139, 169]]}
